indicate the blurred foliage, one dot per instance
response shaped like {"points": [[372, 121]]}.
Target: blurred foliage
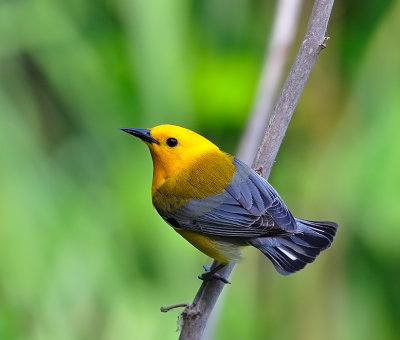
{"points": [[83, 255]]}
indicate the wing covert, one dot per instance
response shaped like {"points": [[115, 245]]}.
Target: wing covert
{"points": [[248, 207]]}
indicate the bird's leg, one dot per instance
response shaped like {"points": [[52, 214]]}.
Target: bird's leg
{"points": [[212, 274]]}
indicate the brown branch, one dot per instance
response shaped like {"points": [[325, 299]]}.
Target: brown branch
{"points": [[194, 317]]}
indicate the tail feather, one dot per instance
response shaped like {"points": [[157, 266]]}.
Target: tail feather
{"points": [[291, 253]]}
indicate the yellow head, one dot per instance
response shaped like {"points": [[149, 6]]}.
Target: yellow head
{"points": [[172, 148]]}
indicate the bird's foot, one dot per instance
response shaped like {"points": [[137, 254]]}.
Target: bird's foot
{"points": [[212, 275]]}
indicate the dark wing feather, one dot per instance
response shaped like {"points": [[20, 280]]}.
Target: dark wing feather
{"points": [[248, 207]]}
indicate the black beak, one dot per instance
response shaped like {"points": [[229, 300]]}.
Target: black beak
{"points": [[143, 134]]}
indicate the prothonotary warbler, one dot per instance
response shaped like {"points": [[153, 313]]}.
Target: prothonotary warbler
{"points": [[219, 204]]}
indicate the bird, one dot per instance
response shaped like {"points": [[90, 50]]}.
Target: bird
{"points": [[221, 205]]}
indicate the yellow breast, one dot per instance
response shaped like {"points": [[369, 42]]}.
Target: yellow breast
{"points": [[205, 175]]}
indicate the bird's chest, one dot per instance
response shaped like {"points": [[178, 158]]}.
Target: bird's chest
{"points": [[197, 181]]}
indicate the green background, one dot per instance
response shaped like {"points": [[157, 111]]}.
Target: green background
{"points": [[83, 255]]}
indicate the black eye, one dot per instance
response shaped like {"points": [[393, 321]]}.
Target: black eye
{"points": [[172, 142]]}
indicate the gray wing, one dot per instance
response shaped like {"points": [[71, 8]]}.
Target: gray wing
{"points": [[248, 207]]}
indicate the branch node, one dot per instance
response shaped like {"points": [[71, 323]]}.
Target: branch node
{"points": [[259, 170], [168, 308], [190, 313], [323, 44]]}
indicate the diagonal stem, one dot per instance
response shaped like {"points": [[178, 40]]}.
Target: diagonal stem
{"points": [[194, 318]]}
